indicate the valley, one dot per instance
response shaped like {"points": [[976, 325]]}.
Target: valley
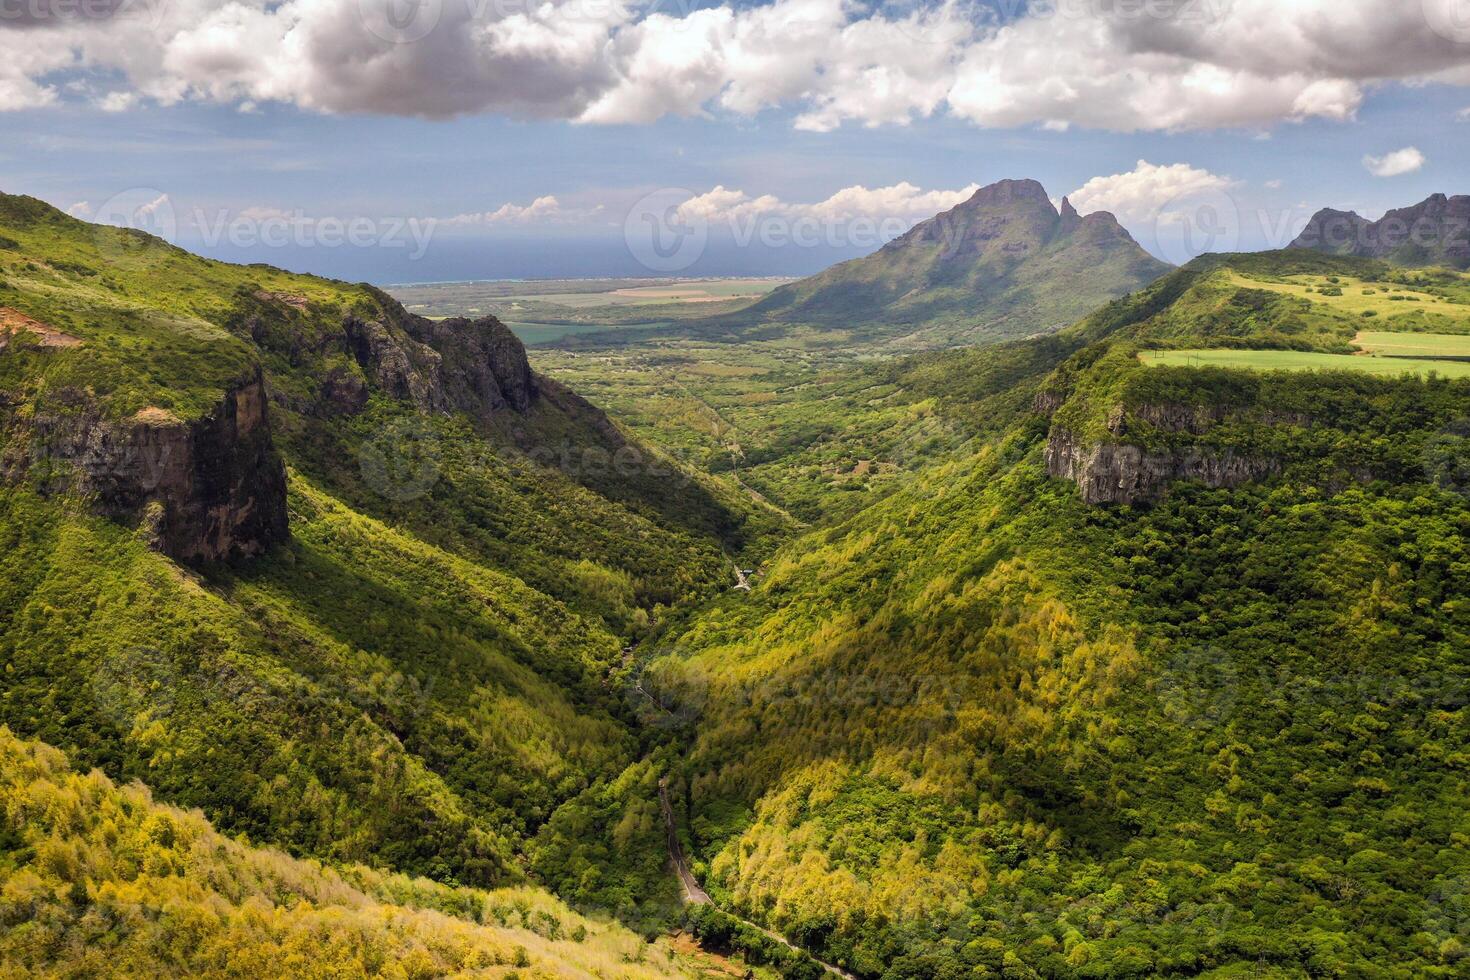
{"points": [[1134, 647]]}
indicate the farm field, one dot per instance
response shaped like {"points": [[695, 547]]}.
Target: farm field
{"points": [[1396, 344], [595, 300], [1359, 297], [1283, 360]]}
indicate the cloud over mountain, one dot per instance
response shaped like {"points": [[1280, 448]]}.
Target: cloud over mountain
{"points": [[1170, 65]]}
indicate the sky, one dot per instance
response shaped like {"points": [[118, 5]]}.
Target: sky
{"points": [[425, 140]]}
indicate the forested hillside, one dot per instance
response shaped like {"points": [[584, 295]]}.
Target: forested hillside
{"points": [[348, 580], [1072, 656], [1163, 674]]}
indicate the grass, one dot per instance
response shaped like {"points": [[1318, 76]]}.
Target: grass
{"points": [[546, 333], [1285, 360], [1358, 296], [1431, 345]]}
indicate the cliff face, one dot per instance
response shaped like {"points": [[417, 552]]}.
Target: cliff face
{"points": [[474, 366], [1120, 473], [211, 489]]}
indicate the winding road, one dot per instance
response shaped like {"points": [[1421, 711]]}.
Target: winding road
{"points": [[695, 895]]}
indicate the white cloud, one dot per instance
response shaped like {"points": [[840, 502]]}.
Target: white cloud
{"points": [[542, 210], [901, 201], [81, 209], [1274, 185], [1140, 194], [1395, 164], [1126, 67]]}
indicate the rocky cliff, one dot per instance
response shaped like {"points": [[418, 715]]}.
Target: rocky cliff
{"points": [[1435, 231], [209, 489], [1120, 473]]}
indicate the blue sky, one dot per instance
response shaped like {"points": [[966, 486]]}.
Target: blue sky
{"points": [[1266, 137]]}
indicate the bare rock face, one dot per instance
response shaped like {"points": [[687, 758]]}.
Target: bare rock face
{"points": [[473, 366], [213, 489], [1119, 473]]}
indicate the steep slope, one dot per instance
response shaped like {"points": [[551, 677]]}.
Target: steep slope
{"points": [[1435, 231], [994, 725], [98, 879], [436, 555], [1003, 264]]}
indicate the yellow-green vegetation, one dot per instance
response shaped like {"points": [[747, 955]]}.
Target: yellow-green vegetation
{"points": [[98, 879], [1288, 360], [1356, 296], [981, 728], [417, 680], [1433, 345]]}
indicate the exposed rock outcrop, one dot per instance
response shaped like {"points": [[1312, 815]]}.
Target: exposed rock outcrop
{"points": [[473, 366], [1120, 473], [1435, 231], [211, 489]]}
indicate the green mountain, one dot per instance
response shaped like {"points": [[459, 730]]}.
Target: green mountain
{"points": [[347, 580], [1003, 264], [1434, 232], [1130, 665], [1163, 672]]}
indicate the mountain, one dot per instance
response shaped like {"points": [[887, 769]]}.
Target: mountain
{"points": [[1433, 232], [348, 581], [1161, 671], [1006, 263]]}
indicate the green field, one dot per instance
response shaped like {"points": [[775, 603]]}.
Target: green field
{"points": [[1432, 345], [1286, 360], [1358, 296]]}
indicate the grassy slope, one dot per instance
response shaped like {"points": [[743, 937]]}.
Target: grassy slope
{"points": [[99, 879], [981, 727]]}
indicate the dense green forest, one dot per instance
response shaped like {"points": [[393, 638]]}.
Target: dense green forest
{"points": [[1057, 662]]}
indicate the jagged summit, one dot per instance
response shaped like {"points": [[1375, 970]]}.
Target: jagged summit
{"points": [[1435, 231], [1003, 263]]}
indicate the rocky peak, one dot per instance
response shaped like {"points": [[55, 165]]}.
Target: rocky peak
{"points": [[1004, 192], [1435, 231], [473, 366]]}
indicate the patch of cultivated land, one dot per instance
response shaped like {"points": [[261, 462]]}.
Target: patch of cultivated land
{"points": [[1390, 344], [1358, 296], [1286, 360]]}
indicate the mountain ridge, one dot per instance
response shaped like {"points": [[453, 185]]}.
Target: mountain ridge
{"points": [[992, 267], [1436, 231]]}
